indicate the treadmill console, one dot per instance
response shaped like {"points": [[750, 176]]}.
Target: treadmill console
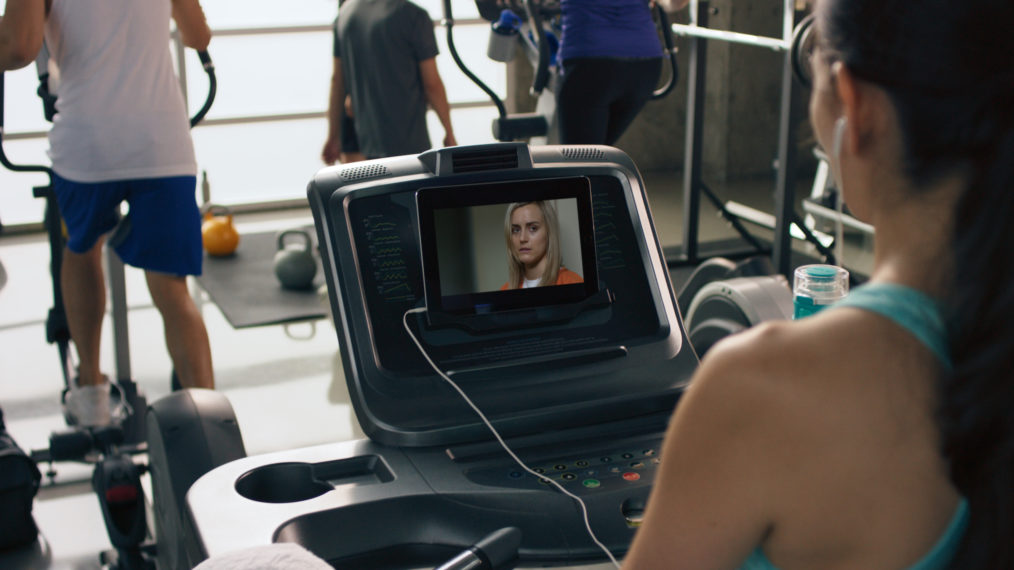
{"points": [[430, 232], [579, 378]]}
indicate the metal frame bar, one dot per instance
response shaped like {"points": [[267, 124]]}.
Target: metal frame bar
{"points": [[730, 37], [118, 313], [692, 168], [12, 229], [698, 28], [699, 34], [785, 191], [248, 119], [235, 32]]}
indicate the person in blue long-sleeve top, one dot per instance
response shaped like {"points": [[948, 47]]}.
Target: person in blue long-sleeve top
{"points": [[611, 60]]}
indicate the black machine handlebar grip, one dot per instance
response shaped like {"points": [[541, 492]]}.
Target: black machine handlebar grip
{"points": [[493, 551], [3, 156], [449, 23], [209, 68], [670, 54], [542, 71], [42, 71], [800, 49]]}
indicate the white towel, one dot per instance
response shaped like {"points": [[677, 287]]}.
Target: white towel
{"points": [[282, 555]]}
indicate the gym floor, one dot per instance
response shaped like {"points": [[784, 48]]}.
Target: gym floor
{"points": [[285, 383]]}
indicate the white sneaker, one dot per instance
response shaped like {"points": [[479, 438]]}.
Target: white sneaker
{"points": [[119, 408], [88, 406]]}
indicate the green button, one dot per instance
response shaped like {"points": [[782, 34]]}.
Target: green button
{"points": [[591, 483]]}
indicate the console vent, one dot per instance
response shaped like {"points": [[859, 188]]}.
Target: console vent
{"points": [[583, 153], [475, 161], [363, 172]]}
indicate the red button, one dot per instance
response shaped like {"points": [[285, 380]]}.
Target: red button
{"points": [[631, 476]]}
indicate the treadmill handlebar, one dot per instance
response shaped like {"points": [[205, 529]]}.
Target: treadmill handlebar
{"points": [[492, 551]]}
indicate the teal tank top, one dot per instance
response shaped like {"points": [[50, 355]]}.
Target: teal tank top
{"points": [[936, 559], [910, 308], [919, 314]]}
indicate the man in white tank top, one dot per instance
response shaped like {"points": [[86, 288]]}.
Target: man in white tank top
{"points": [[120, 133]]}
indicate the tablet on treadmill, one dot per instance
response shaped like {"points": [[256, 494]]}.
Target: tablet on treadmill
{"points": [[466, 249]]}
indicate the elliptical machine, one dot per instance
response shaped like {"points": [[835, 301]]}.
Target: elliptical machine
{"points": [[722, 297], [535, 26], [211, 437]]}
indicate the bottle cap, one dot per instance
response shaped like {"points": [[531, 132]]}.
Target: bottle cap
{"points": [[816, 286], [820, 272]]}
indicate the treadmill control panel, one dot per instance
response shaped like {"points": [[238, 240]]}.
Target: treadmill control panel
{"points": [[612, 469]]}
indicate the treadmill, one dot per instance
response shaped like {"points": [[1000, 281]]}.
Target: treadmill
{"points": [[579, 380]]}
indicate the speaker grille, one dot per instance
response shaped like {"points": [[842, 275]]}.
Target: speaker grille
{"points": [[363, 172], [475, 161], [583, 153]]}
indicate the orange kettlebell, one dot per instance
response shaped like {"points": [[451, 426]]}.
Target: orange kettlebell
{"points": [[217, 231]]}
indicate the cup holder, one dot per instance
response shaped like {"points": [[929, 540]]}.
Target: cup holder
{"points": [[281, 483]]}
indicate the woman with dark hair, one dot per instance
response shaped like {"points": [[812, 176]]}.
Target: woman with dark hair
{"points": [[877, 433], [534, 258]]}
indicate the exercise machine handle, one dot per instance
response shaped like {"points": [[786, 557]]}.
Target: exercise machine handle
{"points": [[449, 23], [493, 551], [42, 71], [670, 54], [209, 68], [542, 71], [3, 156]]}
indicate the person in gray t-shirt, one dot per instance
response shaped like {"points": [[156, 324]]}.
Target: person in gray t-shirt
{"points": [[385, 59]]}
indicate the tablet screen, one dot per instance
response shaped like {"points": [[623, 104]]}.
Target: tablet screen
{"points": [[506, 246]]}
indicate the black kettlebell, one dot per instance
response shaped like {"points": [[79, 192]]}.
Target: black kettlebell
{"points": [[294, 263]]}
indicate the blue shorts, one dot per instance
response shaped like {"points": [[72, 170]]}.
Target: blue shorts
{"points": [[161, 231]]}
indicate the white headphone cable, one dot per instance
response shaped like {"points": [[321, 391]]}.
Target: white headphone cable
{"points": [[584, 509], [839, 235]]}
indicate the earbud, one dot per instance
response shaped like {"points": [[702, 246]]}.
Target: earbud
{"points": [[839, 137]]}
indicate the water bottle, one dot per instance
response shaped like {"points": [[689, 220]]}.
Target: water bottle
{"points": [[503, 38], [817, 286]]}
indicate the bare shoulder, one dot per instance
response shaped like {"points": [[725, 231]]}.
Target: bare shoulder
{"points": [[782, 351], [764, 344], [719, 486], [778, 425], [845, 385], [755, 391], [779, 377], [755, 361]]}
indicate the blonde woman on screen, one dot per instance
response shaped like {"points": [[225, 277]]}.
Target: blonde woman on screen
{"points": [[532, 236]]}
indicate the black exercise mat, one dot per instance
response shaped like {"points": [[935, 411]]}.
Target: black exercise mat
{"points": [[245, 288]]}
